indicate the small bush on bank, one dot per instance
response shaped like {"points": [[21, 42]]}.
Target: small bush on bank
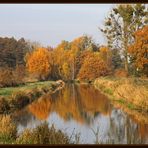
{"points": [[43, 135]]}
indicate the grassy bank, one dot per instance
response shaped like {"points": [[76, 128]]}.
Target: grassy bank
{"points": [[130, 94], [7, 91], [13, 98]]}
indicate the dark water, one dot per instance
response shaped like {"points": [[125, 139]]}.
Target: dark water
{"points": [[83, 110]]}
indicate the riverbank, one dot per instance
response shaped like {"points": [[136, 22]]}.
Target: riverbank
{"points": [[129, 94], [13, 98]]}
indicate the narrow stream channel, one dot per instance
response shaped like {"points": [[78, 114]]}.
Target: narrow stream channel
{"points": [[83, 110]]}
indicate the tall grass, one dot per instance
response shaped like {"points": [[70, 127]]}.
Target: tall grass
{"points": [[133, 91], [8, 131]]}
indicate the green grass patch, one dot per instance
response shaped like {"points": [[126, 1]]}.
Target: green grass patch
{"points": [[131, 106], [108, 91], [28, 86], [122, 101], [6, 91]]}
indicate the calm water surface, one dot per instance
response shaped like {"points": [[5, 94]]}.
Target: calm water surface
{"points": [[83, 110]]}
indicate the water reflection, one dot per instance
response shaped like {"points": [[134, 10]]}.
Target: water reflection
{"points": [[85, 109], [41, 108]]}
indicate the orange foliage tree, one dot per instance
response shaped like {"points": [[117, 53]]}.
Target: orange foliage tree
{"points": [[93, 67], [38, 63], [139, 49]]}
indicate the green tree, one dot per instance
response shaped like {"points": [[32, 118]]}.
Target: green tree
{"points": [[117, 61], [120, 25]]}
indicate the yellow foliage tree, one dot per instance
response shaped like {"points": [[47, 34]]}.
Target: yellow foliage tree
{"points": [[105, 54], [38, 63], [66, 72]]}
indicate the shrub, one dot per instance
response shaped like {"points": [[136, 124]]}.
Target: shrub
{"points": [[43, 135], [8, 131], [4, 105]]}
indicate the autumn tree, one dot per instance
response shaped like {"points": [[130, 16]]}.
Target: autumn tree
{"points": [[84, 42], [120, 25], [92, 68], [78, 46], [39, 63], [139, 50], [81, 58], [67, 55], [59, 58], [66, 71]]}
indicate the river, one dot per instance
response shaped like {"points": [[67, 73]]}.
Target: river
{"points": [[82, 110]]}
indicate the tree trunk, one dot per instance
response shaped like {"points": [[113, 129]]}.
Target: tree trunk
{"points": [[126, 47], [126, 63]]}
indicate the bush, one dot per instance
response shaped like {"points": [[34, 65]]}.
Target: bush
{"points": [[8, 130], [4, 105], [43, 135]]}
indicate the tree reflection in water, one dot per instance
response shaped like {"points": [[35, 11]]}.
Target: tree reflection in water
{"points": [[84, 105]]}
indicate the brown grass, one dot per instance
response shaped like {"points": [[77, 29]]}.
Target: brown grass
{"points": [[133, 91], [120, 73], [8, 131], [43, 135]]}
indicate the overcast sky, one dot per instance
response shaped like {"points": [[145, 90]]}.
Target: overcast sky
{"points": [[51, 23]]}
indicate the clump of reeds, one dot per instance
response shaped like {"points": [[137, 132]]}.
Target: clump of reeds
{"points": [[43, 135]]}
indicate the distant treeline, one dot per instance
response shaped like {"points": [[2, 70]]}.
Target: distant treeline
{"points": [[125, 54], [12, 51]]}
